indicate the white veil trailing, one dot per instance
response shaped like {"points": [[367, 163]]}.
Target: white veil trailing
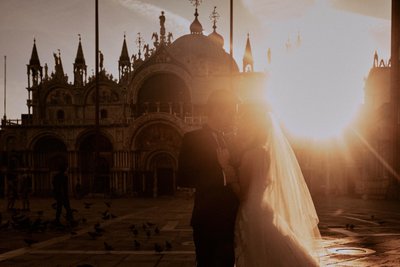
{"points": [[287, 194]]}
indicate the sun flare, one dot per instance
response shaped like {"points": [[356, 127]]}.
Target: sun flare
{"points": [[316, 83]]}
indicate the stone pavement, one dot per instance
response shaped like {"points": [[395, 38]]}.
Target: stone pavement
{"points": [[355, 232]]}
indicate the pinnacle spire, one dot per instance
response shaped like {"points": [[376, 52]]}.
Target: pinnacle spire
{"points": [[34, 61], [248, 57], [124, 64], [124, 52], [79, 66], [80, 59]]}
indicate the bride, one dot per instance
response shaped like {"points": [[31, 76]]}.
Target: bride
{"points": [[276, 224]]}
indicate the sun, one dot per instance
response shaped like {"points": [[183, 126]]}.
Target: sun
{"points": [[316, 86]]}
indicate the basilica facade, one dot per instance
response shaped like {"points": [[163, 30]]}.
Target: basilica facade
{"points": [[159, 95]]}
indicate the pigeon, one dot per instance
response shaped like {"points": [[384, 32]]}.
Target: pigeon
{"points": [[150, 224], [158, 248], [106, 215], [157, 230], [93, 235], [135, 232], [136, 244], [87, 205], [30, 241], [148, 233], [168, 245], [98, 229], [107, 246]]}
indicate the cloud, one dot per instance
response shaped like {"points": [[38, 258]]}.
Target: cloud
{"points": [[372, 8], [173, 21], [277, 9]]}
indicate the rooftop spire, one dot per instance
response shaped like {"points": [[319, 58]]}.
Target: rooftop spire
{"points": [[34, 61], [216, 37], [248, 57], [214, 18], [124, 52], [80, 68], [124, 64], [80, 59], [196, 27]]}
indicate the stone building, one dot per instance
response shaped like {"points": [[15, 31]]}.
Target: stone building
{"points": [[159, 95]]}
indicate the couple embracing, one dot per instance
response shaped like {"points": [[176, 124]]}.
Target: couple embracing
{"points": [[252, 206]]}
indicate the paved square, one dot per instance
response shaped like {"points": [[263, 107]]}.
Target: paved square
{"points": [[156, 232]]}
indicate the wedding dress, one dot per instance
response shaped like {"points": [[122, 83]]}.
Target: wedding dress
{"points": [[276, 224]]}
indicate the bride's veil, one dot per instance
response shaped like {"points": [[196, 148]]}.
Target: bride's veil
{"points": [[288, 194]]}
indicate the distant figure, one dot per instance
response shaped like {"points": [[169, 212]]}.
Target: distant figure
{"points": [[78, 190], [12, 186], [60, 190], [25, 190]]}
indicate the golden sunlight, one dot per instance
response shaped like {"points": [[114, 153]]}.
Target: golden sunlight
{"points": [[316, 83]]}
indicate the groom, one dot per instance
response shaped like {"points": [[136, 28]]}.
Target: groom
{"points": [[215, 204]]}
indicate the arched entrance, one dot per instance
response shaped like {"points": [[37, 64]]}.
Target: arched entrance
{"points": [[49, 154], [156, 146], [163, 92], [163, 167], [95, 176]]}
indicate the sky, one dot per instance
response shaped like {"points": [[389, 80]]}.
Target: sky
{"points": [[338, 39]]}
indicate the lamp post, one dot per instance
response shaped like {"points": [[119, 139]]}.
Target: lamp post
{"points": [[395, 92]]}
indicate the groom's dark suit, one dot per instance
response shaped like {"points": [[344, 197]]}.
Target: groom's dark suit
{"points": [[215, 204]]}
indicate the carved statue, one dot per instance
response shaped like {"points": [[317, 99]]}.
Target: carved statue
{"points": [[376, 59], [170, 37], [56, 59], [101, 60], [146, 50], [155, 38]]}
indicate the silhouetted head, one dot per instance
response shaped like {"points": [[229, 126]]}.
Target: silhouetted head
{"points": [[254, 126], [221, 109]]}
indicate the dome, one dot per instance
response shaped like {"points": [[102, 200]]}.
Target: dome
{"points": [[202, 55], [217, 38], [196, 27]]}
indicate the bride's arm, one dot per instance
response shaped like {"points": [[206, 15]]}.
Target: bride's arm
{"points": [[230, 172]]}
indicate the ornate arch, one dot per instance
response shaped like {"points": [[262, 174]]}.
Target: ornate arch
{"points": [[43, 135], [87, 133], [59, 96], [146, 73], [152, 157], [154, 119]]}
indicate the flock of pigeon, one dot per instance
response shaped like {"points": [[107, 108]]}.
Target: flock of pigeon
{"points": [[37, 224]]}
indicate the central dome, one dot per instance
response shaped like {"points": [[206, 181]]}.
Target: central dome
{"points": [[202, 55]]}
